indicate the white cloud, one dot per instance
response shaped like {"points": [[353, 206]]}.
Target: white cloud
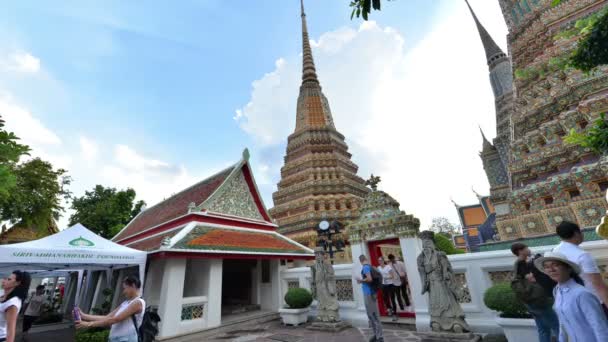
{"points": [[410, 116], [20, 121], [21, 62], [25, 62], [88, 149], [152, 179]]}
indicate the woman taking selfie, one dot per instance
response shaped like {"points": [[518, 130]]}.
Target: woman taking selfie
{"points": [[123, 328], [581, 318], [15, 289]]}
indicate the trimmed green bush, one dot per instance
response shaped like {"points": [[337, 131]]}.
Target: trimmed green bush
{"points": [[501, 298], [298, 298], [92, 335]]}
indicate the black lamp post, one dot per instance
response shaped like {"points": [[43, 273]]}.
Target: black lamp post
{"points": [[327, 240]]}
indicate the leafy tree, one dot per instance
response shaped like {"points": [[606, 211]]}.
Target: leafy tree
{"points": [[363, 7], [592, 50], [105, 210], [35, 200], [445, 244], [10, 152], [442, 225], [596, 137]]}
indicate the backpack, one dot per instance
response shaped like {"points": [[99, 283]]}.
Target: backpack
{"points": [[149, 325], [376, 283], [530, 292]]}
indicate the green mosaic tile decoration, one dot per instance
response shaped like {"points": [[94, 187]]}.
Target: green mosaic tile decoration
{"points": [[546, 240]]}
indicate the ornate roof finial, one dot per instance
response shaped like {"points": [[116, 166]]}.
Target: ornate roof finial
{"points": [[372, 182], [309, 73], [455, 204], [487, 146], [489, 45], [475, 192]]}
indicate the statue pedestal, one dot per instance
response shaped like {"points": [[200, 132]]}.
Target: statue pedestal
{"points": [[447, 337], [328, 326]]}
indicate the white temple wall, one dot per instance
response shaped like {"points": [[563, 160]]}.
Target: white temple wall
{"points": [[154, 278], [476, 272]]}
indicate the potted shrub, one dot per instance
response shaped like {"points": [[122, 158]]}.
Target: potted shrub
{"points": [[513, 318], [298, 301]]}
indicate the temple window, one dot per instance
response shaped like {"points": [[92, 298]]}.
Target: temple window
{"points": [[316, 206], [326, 206], [574, 193], [348, 205], [603, 185], [265, 271], [583, 123], [338, 206], [527, 205], [548, 200]]}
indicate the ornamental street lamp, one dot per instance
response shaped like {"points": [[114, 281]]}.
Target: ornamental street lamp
{"points": [[326, 237]]}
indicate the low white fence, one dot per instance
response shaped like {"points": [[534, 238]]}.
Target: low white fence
{"points": [[475, 272]]}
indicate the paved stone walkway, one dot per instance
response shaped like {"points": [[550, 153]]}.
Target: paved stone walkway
{"points": [[276, 332]]}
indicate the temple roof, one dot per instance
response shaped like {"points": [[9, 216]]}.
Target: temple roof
{"points": [[229, 194], [20, 232], [381, 211], [174, 206], [238, 241], [491, 48]]}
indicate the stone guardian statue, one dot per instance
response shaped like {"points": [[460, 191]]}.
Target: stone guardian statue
{"points": [[324, 288], [438, 280]]}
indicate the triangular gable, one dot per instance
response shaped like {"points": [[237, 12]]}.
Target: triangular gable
{"points": [[238, 195]]}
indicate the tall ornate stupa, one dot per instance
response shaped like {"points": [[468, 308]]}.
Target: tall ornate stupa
{"points": [[318, 181], [536, 179]]}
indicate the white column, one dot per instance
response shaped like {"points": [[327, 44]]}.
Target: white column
{"points": [[412, 247], [275, 280], [170, 304], [214, 297], [357, 249]]}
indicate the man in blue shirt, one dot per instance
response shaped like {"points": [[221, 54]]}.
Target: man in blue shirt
{"points": [[370, 299]]}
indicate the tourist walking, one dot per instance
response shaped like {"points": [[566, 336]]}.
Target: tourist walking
{"points": [[16, 287], [33, 308], [370, 299], [571, 236], [581, 318], [535, 290], [401, 290], [123, 328], [388, 289]]}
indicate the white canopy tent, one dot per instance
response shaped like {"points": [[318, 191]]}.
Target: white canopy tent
{"points": [[72, 249]]}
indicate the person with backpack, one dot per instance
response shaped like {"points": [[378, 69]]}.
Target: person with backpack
{"points": [[371, 281], [535, 290], [126, 319]]}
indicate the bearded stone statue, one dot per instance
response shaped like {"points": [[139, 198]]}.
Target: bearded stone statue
{"points": [[438, 280]]}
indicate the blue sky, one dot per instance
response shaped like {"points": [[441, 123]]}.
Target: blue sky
{"points": [[146, 93]]}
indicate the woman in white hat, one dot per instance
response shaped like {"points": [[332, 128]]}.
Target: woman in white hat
{"points": [[581, 318]]}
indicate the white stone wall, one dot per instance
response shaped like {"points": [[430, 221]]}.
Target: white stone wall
{"points": [[188, 293], [478, 270]]}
